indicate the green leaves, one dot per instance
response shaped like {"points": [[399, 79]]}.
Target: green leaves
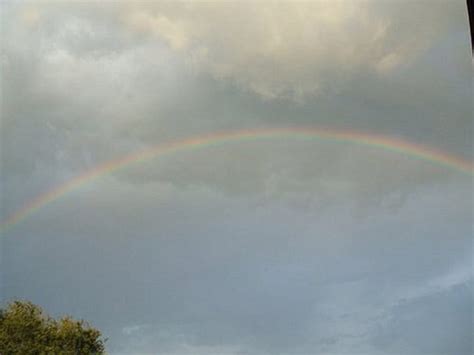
{"points": [[26, 329]]}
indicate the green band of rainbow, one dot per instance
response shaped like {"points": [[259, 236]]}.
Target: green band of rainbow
{"points": [[379, 141]]}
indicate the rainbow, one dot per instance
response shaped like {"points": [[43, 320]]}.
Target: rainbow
{"points": [[396, 145]]}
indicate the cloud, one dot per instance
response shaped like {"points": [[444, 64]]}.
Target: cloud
{"points": [[426, 317], [293, 50], [193, 268], [75, 97]]}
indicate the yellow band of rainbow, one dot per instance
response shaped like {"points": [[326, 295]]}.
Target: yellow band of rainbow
{"points": [[399, 146]]}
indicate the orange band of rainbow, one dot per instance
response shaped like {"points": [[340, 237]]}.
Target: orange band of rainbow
{"points": [[399, 146]]}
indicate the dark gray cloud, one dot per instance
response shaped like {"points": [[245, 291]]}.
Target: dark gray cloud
{"points": [[419, 325], [160, 272], [262, 247]]}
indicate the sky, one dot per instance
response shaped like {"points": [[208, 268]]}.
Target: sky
{"points": [[259, 246]]}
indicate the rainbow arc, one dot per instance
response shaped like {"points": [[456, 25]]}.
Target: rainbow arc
{"points": [[399, 146]]}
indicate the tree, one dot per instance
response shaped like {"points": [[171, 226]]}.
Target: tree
{"points": [[26, 329]]}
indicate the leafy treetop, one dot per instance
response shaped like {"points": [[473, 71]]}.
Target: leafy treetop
{"points": [[26, 329]]}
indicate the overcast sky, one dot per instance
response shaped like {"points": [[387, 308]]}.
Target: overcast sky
{"points": [[275, 246]]}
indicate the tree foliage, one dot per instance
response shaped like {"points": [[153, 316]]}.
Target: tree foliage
{"points": [[26, 329]]}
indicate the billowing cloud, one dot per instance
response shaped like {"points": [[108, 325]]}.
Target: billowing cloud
{"points": [[292, 49], [72, 84]]}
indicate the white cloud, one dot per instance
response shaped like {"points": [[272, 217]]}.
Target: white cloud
{"points": [[292, 49]]}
